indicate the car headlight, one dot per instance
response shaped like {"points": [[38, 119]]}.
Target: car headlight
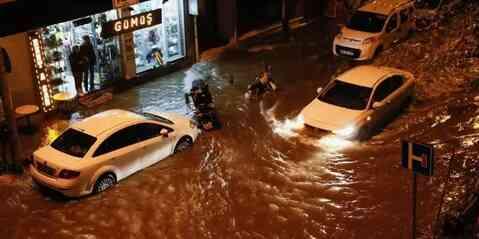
{"points": [[370, 40], [347, 132]]}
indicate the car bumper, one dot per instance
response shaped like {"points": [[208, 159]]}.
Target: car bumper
{"points": [[357, 52], [69, 188]]}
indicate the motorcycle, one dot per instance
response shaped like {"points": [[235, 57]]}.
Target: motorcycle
{"points": [[204, 112]]}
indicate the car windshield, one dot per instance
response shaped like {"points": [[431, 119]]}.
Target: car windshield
{"points": [[427, 4], [367, 22], [74, 142], [346, 95]]}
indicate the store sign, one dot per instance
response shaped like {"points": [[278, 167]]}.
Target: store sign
{"points": [[131, 23], [41, 71]]}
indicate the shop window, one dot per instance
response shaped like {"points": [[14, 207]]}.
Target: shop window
{"points": [[161, 44], [59, 40]]}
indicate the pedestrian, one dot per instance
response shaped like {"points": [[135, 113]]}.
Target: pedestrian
{"points": [[88, 52], [78, 65]]}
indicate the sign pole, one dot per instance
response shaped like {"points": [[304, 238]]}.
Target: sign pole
{"points": [[417, 158], [413, 215]]}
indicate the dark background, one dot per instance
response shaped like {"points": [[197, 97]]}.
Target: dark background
{"points": [[23, 15]]}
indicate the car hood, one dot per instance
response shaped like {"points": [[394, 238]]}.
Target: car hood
{"points": [[357, 35], [329, 117], [57, 159]]}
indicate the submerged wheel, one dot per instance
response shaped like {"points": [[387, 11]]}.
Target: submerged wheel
{"points": [[183, 144], [105, 182]]}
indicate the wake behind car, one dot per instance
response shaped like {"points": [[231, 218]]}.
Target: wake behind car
{"points": [[359, 100], [375, 27], [93, 154]]}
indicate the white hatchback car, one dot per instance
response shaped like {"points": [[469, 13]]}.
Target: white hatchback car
{"points": [[374, 27], [95, 153], [359, 100]]}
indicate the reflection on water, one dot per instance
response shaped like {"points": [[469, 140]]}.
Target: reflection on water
{"points": [[333, 143], [260, 176]]}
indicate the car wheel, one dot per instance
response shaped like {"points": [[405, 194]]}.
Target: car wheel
{"points": [[105, 182], [183, 144]]}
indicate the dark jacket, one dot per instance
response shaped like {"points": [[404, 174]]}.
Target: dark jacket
{"points": [[86, 50], [77, 63]]}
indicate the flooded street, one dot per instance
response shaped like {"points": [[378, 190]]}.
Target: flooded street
{"points": [[263, 175]]}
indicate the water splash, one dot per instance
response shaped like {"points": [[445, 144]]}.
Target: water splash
{"points": [[287, 128], [191, 75], [330, 143]]}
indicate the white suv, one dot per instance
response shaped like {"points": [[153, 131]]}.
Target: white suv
{"points": [[374, 27]]}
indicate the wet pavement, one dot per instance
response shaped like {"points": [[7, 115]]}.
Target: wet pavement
{"points": [[263, 175]]}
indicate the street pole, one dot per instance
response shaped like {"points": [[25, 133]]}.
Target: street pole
{"points": [[235, 22], [197, 51], [413, 219], [285, 17], [16, 147]]}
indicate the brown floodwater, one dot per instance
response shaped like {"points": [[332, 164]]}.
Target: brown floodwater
{"points": [[262, 175]]}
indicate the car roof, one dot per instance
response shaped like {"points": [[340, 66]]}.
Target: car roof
{"points": [[107, 120], [366, 76], [384, 7]]}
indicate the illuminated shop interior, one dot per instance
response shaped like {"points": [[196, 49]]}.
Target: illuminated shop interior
{"points": [[51, 47]]}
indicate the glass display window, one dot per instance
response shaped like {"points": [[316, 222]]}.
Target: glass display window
{"points": [[59, 40], [161, 44]]}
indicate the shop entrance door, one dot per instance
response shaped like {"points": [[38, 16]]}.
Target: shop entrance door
{"points": [[107, 66]]}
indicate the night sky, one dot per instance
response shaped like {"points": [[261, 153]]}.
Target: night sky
{"points": [[23, 15]]}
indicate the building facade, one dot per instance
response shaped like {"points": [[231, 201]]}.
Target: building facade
{"points": [[139, 38]]}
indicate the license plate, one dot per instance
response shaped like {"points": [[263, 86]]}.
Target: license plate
{"points": [[344, 52]]}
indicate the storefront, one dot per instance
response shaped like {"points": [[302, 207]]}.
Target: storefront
{"points": [[151, 47]]}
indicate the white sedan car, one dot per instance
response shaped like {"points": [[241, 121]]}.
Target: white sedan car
{"points": [[93, 154], [359, 100]]}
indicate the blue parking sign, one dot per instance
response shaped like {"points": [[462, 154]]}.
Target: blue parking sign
{"points": [[418, 157]]}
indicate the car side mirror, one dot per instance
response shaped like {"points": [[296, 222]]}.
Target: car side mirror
{"points": [[319, 90], [164, 133], [378, 104]]}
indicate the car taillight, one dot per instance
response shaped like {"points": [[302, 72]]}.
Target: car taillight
{"points": [[68, 174]]}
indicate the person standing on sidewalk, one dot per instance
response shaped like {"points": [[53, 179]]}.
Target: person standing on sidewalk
{"points": [[87, 52], [78, 66]]}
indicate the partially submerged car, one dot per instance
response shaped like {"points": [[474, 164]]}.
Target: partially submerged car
{"points": [[375, 27], [359, 101], [93, 154]]}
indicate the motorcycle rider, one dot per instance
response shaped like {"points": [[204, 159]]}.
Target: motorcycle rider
{"points": [[205, 112]]}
